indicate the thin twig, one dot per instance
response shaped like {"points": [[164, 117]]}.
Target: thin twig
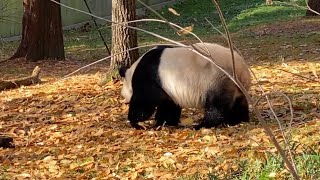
{"points": [[274, 141], [281, 94], [132, 27], [96, 25], [264, 124], [224, 25], [175, 29], [279, 123], [310, 9], [108, 57], [267, 129], [307, 7], [314, 80], [151, 33]]}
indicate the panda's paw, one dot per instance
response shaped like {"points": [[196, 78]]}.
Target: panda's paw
{"points": [[207, 124], [137, 126], [200, 126], [166, 123]]}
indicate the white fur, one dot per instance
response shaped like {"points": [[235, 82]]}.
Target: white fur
{"points": [[187, 77], [126, 90]]}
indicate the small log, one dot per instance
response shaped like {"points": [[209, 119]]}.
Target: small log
{"points": [[10, 84], [6, 142]]}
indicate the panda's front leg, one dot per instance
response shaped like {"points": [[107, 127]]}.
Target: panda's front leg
{"points": [[168, 112], [139, 110]]}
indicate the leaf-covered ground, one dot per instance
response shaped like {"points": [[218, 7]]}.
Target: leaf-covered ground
{"points": [[73, 128]]}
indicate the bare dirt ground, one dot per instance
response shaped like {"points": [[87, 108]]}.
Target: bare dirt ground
{"points": [[303, 25]]}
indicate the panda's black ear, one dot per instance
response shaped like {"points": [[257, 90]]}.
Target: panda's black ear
{"points": [[122, 71]]}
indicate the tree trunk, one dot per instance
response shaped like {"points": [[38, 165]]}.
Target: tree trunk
{"points": [[315, 6], [42, 36], [123, 38]]}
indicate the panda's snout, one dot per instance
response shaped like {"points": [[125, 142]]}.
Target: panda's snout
{"points": [[126, 94]]}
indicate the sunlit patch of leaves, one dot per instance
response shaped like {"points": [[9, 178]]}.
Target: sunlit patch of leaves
{"points": [[75, 128]]}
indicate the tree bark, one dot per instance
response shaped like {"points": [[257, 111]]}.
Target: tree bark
{"points": [[123, 38], [315, 6], [42, 36], [33, 79]]}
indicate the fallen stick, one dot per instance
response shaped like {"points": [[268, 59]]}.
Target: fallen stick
{"points": [[15, 83]]}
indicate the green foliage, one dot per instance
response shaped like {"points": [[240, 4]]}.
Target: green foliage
{"points": [[238, 14], [308, 163], [263, 14]]}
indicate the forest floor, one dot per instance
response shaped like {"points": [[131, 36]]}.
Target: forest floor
{"points": [[73, 128]]}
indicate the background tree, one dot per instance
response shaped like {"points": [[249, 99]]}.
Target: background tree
{"points": [[123, 37], [314, 5], [42, 36]]}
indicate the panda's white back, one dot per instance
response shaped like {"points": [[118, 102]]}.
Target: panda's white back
{"points": [[187, 77]]}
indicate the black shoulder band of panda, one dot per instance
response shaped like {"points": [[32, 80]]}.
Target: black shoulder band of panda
{"points": [[122, 71]]}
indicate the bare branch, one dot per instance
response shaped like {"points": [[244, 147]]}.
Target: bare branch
{"points": [[298, 75], [279, 123], [258, 113], [233, 78], [307, 7], [223, 22], [108, 57]]}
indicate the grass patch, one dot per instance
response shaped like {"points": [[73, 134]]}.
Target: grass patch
{"points": [[272, 167], [239, 15], [307, 166], [263, 14]]}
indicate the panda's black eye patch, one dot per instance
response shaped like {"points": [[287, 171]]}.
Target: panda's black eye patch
{"points": [[122, 71]]}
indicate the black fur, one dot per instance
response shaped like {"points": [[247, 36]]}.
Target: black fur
{"points": [[122, 71], [148, 93], [240, 111], [168, 112], [148, 96], [220, 108]]}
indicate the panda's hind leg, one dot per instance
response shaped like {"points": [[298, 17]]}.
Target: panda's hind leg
{"points": [[218, 105], [167, 112], [240, 111], [215, 112]]}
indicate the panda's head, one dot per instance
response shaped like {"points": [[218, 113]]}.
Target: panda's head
{"points": [[127, 73], [126, 90]]}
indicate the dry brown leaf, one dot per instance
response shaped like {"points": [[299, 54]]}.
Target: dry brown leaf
{"points": [[186, 30], [173, 11], [73, 129]]}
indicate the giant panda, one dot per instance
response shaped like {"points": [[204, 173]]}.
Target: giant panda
{"points": [[168, 78]]}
